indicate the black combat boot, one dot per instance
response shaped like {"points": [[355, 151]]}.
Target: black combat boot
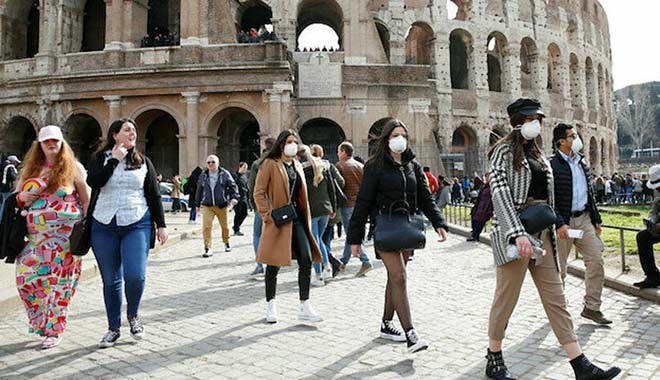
{"points": [[495, 367], [586, 370]]}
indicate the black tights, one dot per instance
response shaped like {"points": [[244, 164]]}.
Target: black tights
{"points": [[396, 294], [300, 245]]}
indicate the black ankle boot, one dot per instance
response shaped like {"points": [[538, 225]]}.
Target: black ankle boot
{"points": [[586, 370], [495, 367]]}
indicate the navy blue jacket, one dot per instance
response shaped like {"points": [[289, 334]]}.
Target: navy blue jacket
{"points": [[564, 191], [225, 189]]}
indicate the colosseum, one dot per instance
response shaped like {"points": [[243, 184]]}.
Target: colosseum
{"points": [[185, 72]]}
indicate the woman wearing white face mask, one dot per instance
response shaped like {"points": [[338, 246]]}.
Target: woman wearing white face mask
{"points": [[521, 176], [392, 177], [280, 194]]}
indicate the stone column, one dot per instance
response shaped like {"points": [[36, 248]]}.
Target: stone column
{"points": [[114, 106], [114, 24], [135, 13], [274, 97], [190, 22], [191, 160], [49, 16]]}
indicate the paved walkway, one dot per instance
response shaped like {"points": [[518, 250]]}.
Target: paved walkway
{"points": [[204, 320]]}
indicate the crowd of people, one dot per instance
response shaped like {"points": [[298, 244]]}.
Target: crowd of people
{"points": [[160, 38], [254, 35], [619, 189], [541, 208]]}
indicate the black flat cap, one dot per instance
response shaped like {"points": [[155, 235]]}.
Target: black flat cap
{"points": [[526, 107]]}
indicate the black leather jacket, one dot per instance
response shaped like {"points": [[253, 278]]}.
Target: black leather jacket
{"points": [[386, 183]]}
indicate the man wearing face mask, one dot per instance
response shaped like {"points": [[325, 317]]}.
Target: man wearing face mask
{"points": [[576, 209]]}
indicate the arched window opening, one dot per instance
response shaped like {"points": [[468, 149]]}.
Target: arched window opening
{"points": [[460, 50], [591, 83], [458, 9], [93, 38], [20, 19], [464, 156], [161, 140], [526, 10], [163, 23], [495, 8], [325, 133], [495, 59], [17, 136], [253, 23], [601, 86], [83, 133], [554, 69], [319, 26], [32, 40], [384, 36], [419, 44], [528, 63], [574, 74]]}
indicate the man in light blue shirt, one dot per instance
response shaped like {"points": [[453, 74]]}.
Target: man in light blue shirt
{"points": [[576, 210], [579, 180]]}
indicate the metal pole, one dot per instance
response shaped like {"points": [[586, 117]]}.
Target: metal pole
{"points": [[623, 251]]}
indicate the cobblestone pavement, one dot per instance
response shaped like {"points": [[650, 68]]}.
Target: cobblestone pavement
{"points": [[205, 320]]}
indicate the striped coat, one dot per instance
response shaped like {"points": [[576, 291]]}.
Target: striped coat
{"points": [[509, 193]]}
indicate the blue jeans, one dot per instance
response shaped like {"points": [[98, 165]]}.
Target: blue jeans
{"points": [[318, 228], [256, 235], [346, 213], [121, 253], [193, 212]]}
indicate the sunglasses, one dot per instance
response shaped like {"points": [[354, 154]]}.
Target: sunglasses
{"points": [[211, 162]]}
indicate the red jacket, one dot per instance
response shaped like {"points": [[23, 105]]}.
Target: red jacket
{"points": [[433, 182]]}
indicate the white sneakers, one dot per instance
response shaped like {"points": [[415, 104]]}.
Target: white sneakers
{"points": [[307, 313], [316, 281], [327, 273], [271, 312]]}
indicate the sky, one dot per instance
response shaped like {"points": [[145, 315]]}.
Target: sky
{"points": [[634, 29]]}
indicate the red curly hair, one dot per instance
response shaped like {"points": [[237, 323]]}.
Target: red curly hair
{"points": [[64, 171]]}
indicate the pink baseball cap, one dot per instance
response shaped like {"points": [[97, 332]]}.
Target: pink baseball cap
{"points": [[50, 132]]}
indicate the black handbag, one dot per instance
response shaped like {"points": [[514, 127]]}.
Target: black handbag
{"points": [[13, 230], [80, 240], [537, 218], [339, 192], [398, 230], [285, 214]]}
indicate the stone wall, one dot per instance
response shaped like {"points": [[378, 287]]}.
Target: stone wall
{"points": [[397, 59]]}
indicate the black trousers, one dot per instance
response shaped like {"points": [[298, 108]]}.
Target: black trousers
{"points": [[645, 243], [240, 213], [477, 227], [303, 254]]}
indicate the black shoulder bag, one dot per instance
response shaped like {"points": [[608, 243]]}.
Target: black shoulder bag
{"points": [[287, 213], [339, 192], [398, 230]]}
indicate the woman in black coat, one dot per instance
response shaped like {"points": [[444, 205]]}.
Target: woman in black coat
{"points": [[393, 176]]}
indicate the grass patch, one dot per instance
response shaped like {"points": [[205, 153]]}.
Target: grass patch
{"points": [[611, 237]]}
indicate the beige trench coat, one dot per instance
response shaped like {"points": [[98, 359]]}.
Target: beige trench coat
{"points": [[271, 191]]}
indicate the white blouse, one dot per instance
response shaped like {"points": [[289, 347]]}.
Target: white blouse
{"points": [[122, 196]]}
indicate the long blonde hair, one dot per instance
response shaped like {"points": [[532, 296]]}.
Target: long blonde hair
{"points": [[63, 172], [316, 163]]}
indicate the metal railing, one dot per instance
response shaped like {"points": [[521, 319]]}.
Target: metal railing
{"points": [[459, 214], [622, 243]]}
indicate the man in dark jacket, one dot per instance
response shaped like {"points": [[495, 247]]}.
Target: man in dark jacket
{"points": [[216, 189], [576, 209], [241, 208], [9, 174], [482, 210]]}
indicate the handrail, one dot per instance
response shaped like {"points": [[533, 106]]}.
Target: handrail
{"points": [[457, 214]]}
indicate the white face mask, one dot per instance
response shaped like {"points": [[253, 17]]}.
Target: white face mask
{"points": [[291, 149], [531, 129], [398, 144], [577, 145]]}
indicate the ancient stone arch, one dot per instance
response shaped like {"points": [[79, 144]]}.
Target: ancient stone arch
{"points": [[529, 63], [496, 56], [325, 132], [461, 59], [419, 44]]}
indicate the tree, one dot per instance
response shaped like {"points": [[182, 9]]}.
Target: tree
{"points": [[636, 114]]}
